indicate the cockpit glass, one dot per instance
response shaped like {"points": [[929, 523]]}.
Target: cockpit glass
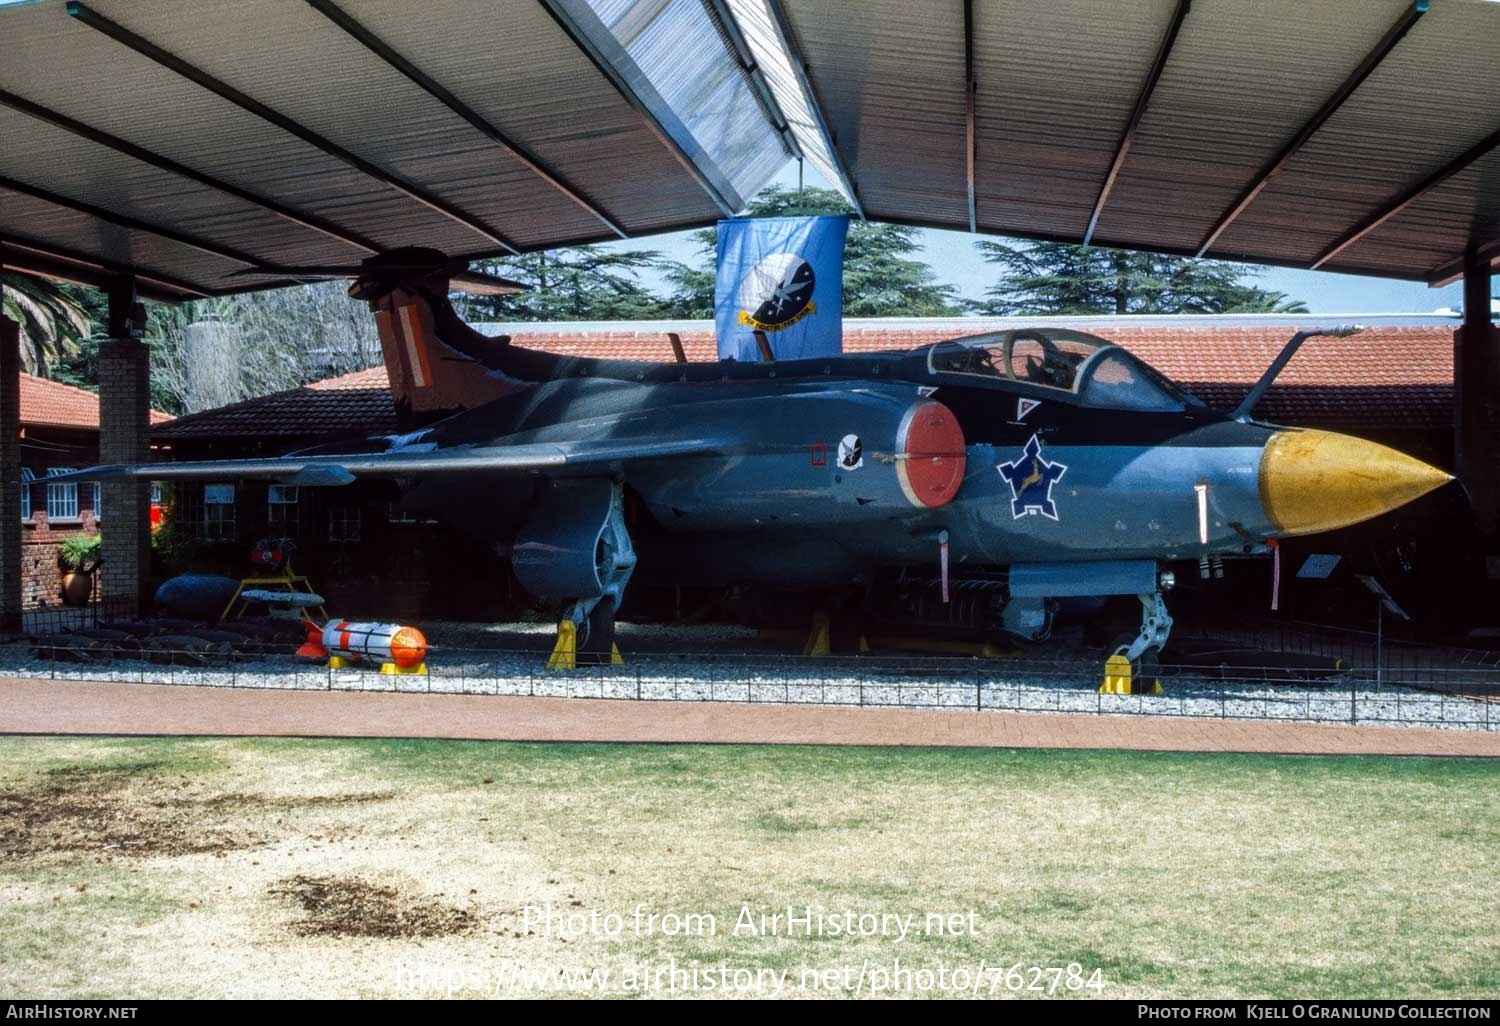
{"points": [[1097, 371]]}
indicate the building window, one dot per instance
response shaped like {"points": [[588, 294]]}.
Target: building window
{"points": [[98, 500], [156, 493], [62, 499], [281, 510], [217, 523], [26, 478], [344, 523]]}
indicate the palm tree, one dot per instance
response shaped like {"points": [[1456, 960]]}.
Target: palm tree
{"points": [[52, 322], [1265, 301]]}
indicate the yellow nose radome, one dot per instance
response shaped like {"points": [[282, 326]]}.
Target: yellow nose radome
{"points": [[1313, 481]]}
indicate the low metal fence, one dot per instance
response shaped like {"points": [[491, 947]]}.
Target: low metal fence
{"points": [[1281, 692]]}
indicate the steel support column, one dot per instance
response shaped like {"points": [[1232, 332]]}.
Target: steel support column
{"points": [[124, 437], [10, 475], [1476, 382]]}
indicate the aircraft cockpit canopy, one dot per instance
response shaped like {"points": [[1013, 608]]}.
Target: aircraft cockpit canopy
{"points": [[1096, 370]]}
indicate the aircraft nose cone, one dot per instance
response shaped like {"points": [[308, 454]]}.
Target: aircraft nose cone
{"points": [[1313, 481]]}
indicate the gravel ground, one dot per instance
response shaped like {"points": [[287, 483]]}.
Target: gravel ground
{"points": [[731, 664]]}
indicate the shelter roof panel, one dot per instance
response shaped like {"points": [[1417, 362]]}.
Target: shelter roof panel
{"points": [[1056, 86], [1466, 205], [511, 64], [71, 230], [1242, 80], [609, 153], [83, 170], [1418, 110], [890, 76], [111, 87], [363, 105]]}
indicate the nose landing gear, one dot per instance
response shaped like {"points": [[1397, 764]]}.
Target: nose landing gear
{"points": [[1131, 666]]}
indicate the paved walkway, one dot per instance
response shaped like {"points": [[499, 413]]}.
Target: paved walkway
{"points": [[86, 707]]}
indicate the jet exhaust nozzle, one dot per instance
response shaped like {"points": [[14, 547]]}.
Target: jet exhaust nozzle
{"points": [[1313, 481]]}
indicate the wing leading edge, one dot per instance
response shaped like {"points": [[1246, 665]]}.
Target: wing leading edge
{"points": [[561, 459]]}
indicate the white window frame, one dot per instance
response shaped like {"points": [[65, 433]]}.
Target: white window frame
{"points": [[62, 497], [98, 501], [26, 478], [282, 510], [214, 528]]}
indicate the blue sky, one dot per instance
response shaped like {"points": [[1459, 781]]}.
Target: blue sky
{"points": [[953, 257]]}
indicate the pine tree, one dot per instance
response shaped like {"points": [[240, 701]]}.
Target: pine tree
{"points": [[881, 276], [584, 283], [1056, 278]]}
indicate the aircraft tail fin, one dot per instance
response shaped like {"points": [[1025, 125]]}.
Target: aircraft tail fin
{"points": [[437, 364]]}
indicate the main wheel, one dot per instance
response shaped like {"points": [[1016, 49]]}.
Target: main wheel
{"points": [[596, 648]]}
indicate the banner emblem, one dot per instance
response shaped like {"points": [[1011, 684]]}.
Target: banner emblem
{"points": [[777, 292]]}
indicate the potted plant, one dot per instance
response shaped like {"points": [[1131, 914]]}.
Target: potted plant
{"points": [[79, 558]]}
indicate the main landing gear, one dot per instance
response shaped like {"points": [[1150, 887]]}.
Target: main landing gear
{"points": [[576, 551], [1132, 665], [586, 637]]}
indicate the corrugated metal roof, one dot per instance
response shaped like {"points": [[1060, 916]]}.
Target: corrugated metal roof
{"points": [[1364, 100], [512, 65], [1356, 135]]}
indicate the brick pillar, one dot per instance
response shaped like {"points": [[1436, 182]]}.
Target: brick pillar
{"points": [[124, 437], [10, 475]]}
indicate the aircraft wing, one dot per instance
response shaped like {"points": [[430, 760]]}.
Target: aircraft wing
{"points": [[570, 459]]}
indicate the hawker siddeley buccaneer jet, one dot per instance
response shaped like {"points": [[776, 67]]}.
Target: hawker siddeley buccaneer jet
{"points": [[1028, 466]]}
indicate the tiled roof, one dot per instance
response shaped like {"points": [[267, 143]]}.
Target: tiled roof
{"points": [[53, 404], [1387, 377], [351, 403]]}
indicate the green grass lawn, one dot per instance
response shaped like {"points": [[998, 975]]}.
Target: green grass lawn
{"points": [[284, 867]]}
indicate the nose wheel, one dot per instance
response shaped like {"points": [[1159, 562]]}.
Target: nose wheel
{"points": [[1133, 663]]}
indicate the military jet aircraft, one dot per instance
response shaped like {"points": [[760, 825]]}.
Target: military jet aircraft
{"points": [[1023, 466]]}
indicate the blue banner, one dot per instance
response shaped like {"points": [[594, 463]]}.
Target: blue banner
{"points": [[783, 276]]}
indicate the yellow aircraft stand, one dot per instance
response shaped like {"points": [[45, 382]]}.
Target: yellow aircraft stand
{"points": [[287, 579], [392, 670], [387, 669], [1119, 679], [565, 653], [819, 639]]}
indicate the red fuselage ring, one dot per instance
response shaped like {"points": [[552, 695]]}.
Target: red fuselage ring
{"points": [[930, 455]]}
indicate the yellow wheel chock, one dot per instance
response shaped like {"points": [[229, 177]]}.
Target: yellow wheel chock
{"points": [[818, 639], [1119, 679], [565, 653]]}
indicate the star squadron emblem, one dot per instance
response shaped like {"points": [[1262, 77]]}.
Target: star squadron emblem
{"points": [[1031, 477]]}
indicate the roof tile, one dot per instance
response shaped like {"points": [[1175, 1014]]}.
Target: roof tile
{"points": [[1386, 377], [53, 404]]}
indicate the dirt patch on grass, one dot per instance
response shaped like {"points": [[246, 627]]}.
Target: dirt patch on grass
{"points": [[345, 906], [133, 811]]}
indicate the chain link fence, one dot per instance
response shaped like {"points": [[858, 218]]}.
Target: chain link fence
{"points": [[1322, 688]]}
